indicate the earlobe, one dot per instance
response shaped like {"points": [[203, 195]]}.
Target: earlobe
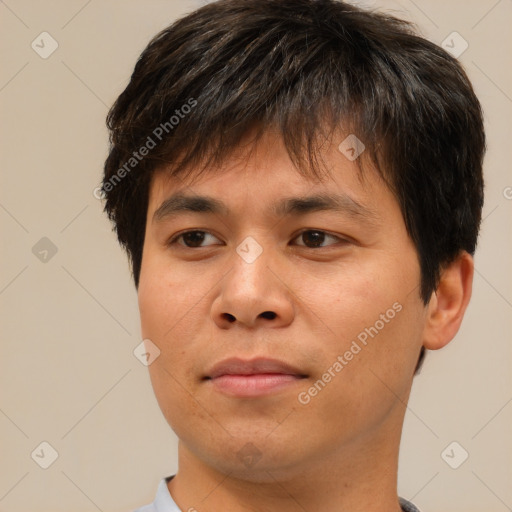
{"points": [[448, 303]]}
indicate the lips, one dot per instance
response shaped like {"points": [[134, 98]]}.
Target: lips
{"points": [[235, 366], [252, 378]]}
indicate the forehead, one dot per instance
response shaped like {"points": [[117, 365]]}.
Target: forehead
{"points": [[260, 179]]}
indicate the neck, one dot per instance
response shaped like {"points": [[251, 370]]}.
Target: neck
{"points": [[358, 478]]}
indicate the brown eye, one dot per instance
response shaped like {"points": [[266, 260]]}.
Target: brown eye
{"points": [[313, 238], [191, 239]]}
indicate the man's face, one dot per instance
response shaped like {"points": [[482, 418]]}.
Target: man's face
{"points": [[318, 309]]}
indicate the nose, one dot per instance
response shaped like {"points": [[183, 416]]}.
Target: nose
{"points": [[252, 294]]}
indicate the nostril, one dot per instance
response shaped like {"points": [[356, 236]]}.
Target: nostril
{"points": [[229, 317], [268, 314]]}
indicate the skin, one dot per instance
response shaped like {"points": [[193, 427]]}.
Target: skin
{"points": [[339, 451]]}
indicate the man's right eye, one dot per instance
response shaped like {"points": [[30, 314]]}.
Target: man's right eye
{"points": [[191, 239]]}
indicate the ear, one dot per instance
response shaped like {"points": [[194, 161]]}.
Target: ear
{"points": [[449, 302]]}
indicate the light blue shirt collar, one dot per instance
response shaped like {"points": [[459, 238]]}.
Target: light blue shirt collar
{"points": [[164, 502]]}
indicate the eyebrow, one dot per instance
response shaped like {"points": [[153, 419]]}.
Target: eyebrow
{"points": [[340, 203]]}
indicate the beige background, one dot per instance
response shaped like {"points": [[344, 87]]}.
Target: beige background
{"points": [[68, 375]]}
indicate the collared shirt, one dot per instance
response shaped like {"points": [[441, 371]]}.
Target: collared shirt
{"points": [[164, 502]]}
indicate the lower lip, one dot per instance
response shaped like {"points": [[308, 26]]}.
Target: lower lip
{"points": [[253, 385]]}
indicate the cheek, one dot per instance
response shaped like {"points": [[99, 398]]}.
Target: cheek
{"points": [[168, 297], [370, 383], [373, 320], [348, 299], [169, 305], [174, 306]]}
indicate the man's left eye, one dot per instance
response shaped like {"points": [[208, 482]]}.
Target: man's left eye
{"points": [[314, 238]]}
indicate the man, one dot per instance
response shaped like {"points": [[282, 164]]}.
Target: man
{"points": [[298, 185]]}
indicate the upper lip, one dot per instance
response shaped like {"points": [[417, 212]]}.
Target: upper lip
{"points": [[260, 365]]}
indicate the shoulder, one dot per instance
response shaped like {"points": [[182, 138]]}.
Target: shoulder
{"points": [[407, 506]]}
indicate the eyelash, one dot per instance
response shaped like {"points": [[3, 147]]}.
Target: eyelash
{"points": [[174, 240]]}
